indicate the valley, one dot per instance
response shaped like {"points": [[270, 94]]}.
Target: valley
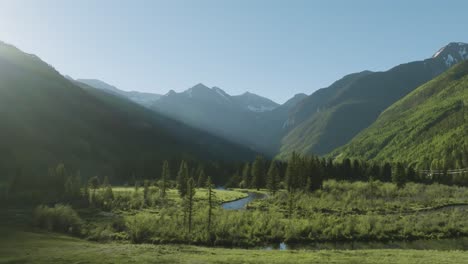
{"points": [[233, 132]]}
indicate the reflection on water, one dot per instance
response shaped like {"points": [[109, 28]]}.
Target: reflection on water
{"points": [[434, 244]]}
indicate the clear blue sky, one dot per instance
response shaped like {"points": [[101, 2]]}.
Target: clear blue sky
{"points": [[273, 48]]}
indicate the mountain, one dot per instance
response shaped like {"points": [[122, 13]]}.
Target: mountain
{"points": [[212, 109], [48, 119], [144, 99], [331, 117], [427, 127], [254, 103]]}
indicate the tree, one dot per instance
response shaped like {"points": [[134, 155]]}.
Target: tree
{"points": [[246, 179], [273, 178], [146, 185], [258, 172], [411, 174], [108, 196], [290, 205], [94, 185], [165, 175], [189, 201], [201, 179], [182, 178], [292, 172], [106, 181], [399, 177], [386, 173], [346, 169], [314, 174], [209, 185]]}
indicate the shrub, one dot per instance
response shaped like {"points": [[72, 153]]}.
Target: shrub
{"points": [[61, 218]]}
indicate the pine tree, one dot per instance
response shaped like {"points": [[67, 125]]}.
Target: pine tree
{"points": [[146, 185], [94, 185], [182, 178], [108, 196], [201, 179], [290, 204], [386, 173], [273, 178], [246, 179], [399, 177], [190, 201], [165, 175], [292, 172], [209, 185], [315, 175], [258, 172], [411, 174], [106, 181], [346, 169]]}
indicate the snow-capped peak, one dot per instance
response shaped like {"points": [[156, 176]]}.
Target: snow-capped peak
{"points": [[453, 53]]}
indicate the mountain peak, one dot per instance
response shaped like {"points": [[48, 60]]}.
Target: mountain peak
{"points": [[452, 53], [200, 86]]}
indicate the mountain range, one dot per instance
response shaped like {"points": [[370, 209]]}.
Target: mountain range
{"points": [[49, 119], [316, 124], [427, 128], [331, 117]]}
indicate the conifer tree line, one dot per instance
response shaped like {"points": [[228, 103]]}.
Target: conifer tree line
{"points": [[307, 173], [304, 173]]}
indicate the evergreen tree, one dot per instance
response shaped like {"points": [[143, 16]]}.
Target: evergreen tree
{"points": [[105, 183], [315, 175], [356, 173], [411, 174], [258, 172], [86, 197], [190, 201], [273, 178], [399, 177], [146, 185], [246, 179], [292, 172], [182, 178], [290, 205], [94, 185], [165, 176], [346, 169], [108, 197], [211, 205], [201, 179], [386, 173]]}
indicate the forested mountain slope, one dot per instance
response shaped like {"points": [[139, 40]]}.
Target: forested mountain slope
{"points": [[47, 119], [428, 127], [331, 117]]}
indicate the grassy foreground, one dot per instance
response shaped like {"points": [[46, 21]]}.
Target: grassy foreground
{"points": [[42, 247]]}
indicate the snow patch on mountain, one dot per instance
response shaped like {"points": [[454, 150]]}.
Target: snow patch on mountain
{"points": [[260, 109], [220, 92], [449, 60]]}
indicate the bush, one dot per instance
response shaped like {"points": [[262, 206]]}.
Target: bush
{"points": [[61, 218]]}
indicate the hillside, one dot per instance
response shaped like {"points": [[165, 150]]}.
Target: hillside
{"points": [[427, 127], [47, 119], [331, 117], [235, 118], [144, 99]]}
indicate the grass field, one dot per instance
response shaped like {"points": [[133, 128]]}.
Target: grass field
{"points": [[42, 247]]}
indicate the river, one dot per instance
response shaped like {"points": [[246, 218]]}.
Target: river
{"points": [[433, 244], [241, 203]]}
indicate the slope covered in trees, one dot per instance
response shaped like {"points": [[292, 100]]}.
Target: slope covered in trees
{"points": [[46, 119], [331, 117], [428, 127]]}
